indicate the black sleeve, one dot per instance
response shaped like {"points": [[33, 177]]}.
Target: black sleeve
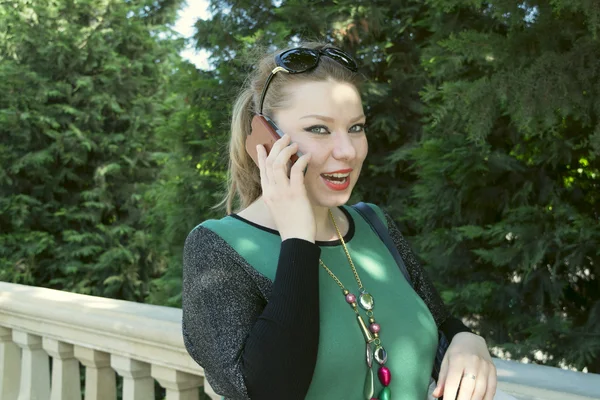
{"points": [[423, 285], [250, 349]]}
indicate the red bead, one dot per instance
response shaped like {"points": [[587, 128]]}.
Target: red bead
{"points": [[375, 328], [373, 398], [384, 375], [350, 298]]}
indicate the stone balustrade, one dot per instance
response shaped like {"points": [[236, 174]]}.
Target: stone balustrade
{"points": [[142, 344]]}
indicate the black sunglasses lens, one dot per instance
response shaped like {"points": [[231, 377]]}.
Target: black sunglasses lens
{"points": [[341, 58], [298, 60]]}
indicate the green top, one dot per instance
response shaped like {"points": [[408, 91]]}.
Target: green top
{"points": [[408, 330]]}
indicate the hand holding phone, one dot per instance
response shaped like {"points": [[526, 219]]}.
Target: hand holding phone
{"points": [[283, 189], [266, 133]]}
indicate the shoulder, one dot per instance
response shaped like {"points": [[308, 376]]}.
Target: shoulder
{"points": [[381, 213], [202, 239], [209, 236], [210, 261], [203, 251]]}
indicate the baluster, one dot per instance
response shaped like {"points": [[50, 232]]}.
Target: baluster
{"points": [[35, 367], [179, 385], [10, 366], [65, 370], [137, 382], [100, 379]]}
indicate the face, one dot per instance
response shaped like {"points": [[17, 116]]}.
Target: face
{"points": [[327, 120]]}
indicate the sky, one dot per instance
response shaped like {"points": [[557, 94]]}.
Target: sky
{"points": [[187, 16]]}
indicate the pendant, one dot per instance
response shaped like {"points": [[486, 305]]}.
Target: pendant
{"points": [[384, 375], [380, 355], [369, 355], [366, 332], [369, 389], [385, 394], [366, 301]]}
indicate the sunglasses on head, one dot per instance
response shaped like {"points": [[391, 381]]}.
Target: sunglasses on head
{"points": [[298, 60]]}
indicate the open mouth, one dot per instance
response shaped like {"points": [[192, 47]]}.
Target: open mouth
{"points": [[336, 178]]}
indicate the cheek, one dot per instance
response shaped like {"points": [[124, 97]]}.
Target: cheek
{"points": [[362, 148], [318, 153]]}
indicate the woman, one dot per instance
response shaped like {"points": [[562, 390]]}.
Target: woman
{"points": [[278, 298]]}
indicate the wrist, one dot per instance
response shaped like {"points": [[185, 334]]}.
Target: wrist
{"points": [[468, 336]]}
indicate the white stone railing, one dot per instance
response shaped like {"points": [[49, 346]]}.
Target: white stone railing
{"points": [[538, 382], [140, 342], [143, 343]]}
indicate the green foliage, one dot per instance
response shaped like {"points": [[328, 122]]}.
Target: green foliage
{"points": [[82, 89], [192, 173], [507, 200]]}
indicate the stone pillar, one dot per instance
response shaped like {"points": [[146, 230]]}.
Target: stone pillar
{"points": [[179, 385], [35, 367], [10, 366], [137, 382], [100, 379], [65, 370]]}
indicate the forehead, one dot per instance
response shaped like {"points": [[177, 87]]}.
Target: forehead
{"points": [[323, 97]]}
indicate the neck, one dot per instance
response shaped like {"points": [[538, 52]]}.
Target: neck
{"points": [[325, 229]]}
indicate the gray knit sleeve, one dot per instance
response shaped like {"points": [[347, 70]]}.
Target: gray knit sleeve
{"points": [[219, 301], [254, 338], [421, 282]]}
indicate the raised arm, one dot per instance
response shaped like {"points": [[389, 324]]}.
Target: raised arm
{"points": [[250, 348]]}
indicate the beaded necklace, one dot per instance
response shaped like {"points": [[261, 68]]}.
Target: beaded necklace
{"points": [[371, 334]]}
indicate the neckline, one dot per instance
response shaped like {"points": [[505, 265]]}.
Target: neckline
{"points": [[347, 237]]}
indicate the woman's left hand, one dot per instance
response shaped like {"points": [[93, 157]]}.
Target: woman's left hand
{"points": [[468, 365]]}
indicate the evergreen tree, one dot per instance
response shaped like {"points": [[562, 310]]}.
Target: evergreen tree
{"points": [[507, 201], [192, 173], [82, 89]]}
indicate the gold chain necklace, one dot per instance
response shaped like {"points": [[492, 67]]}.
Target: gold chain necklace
{"points": [[371, 334]]}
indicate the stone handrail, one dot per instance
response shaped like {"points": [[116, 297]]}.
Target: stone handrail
{"points": [[143, 343], [140, 342]]}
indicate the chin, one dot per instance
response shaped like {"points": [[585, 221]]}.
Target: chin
{"points": [[331, 200]]}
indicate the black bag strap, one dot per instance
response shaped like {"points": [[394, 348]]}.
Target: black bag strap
{"points": [[379, 228]]}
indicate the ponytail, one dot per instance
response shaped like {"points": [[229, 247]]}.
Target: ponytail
{"points": [[243, 175]]}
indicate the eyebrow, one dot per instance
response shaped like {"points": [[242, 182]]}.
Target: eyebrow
{"points": [[329, 119]]}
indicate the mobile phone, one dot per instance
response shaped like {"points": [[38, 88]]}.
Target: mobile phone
{"points": [[265, 132]]}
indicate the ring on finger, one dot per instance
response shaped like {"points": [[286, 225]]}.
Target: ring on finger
{"points": [[472, 376]]}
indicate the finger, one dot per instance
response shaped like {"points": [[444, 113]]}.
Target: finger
{"points": [[281, 164], [262, 155], [279, 145], [297, 171], [272, 156], [439, 389], [492, 382], [452, 382], [467, 385], [481, 383]]}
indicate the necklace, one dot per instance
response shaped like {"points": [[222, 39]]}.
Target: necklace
{"points": [[371, 334]]}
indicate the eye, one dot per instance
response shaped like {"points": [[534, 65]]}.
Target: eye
{"points": [[318, 129], [357, 128]]}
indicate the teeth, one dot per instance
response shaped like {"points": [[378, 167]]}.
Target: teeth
{"points": [[337, 175]]}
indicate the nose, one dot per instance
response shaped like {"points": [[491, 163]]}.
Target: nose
{"points": [[343, 147]]}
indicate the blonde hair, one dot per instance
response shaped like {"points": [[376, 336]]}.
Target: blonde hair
{"points": [[243, 175]]}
